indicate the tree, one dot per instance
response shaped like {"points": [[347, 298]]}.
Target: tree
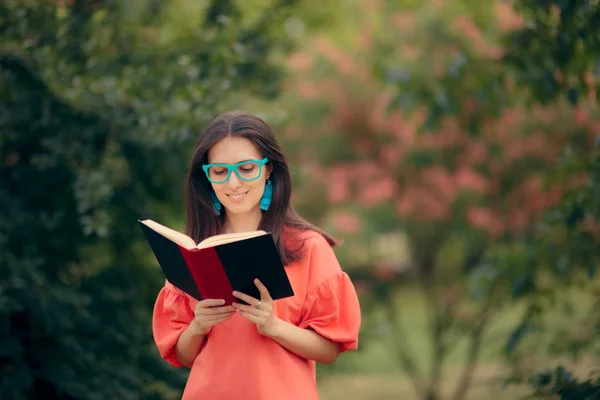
{"points": [[555, 55], [548, 60], [438, 144], [101, 103]]}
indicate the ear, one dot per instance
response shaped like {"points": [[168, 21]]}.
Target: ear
{"points": [[269, 170]]}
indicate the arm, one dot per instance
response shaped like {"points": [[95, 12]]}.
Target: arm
{"points": [[305, 343], [208, 313], [189, 344]]}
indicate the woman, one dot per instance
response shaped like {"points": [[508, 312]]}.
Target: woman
{"points": [[239, 181]]}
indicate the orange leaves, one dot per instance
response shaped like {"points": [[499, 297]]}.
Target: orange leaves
{"points": [[421, 204], [374, 192], [486, 219], [591, 226], [344, 63], [338, 185], [345, 222], [366, 182], [404, 21], [307, 90], [432, 193], [476, 38], [438, 180], [470, 180], [475, 153], [506, 17], [466, 26], [391, 156], [489, 178], [300, 61]]}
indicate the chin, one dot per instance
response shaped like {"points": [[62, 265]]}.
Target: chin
{"points": [[240, 209], [250, 204]]}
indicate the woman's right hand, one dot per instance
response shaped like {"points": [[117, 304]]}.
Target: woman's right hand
{"points": [[210, 312]]}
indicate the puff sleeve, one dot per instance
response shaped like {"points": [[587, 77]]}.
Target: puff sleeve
{"points": [[171, 316], [331, 307]]}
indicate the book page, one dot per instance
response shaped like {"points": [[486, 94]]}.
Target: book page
{"points": [[228, 238], [180, 238]]}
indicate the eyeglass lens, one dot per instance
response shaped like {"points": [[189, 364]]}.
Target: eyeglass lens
{"points": [[247, 171]]}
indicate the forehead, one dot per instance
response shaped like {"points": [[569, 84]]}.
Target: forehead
{"points": [[231, 150]]}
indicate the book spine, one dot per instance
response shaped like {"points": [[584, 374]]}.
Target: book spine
{"points": [[207, 270]]}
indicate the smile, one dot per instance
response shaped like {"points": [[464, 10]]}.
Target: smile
{"points": [[237, 196]]}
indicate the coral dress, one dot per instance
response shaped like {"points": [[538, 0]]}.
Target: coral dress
{"points": [[236, 362]]}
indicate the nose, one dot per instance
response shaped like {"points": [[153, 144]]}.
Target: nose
{"points": [[234, 180]]}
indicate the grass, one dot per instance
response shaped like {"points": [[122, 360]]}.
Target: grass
{"points": [[486, 385], [373, 372]]}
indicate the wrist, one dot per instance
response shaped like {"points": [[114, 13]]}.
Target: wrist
{"points": [[276, 329], [197, 330]]}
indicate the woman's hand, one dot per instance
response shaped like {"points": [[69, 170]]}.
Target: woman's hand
{"points": [[258, 311], [210, 312]]}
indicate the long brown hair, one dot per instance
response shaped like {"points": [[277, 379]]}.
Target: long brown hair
{"points": [[201, 219]]}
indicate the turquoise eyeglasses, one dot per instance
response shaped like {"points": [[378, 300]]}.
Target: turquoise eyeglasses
{"points": [[248, 170]]}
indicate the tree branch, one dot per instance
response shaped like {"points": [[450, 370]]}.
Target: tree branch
{"points": [[399, 341], [438, 329], [476, 339]]}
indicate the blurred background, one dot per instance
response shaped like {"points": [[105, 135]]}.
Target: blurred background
{"points": [[454, 145]]}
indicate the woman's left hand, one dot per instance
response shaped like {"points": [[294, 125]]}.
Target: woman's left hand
{"points": [[258, 311]]}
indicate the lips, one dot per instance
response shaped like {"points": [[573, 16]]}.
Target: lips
{"points": [[237, 196]]}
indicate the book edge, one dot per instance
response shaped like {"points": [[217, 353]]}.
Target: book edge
{"points": [[219, 240], [168, 233]]}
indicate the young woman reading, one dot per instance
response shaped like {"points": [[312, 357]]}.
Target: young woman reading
{"points": [[239, 181]]}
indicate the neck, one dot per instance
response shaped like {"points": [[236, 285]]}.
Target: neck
{"points": [[242, 223]]}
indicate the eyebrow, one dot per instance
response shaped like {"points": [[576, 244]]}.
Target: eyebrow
{"points": [[248, 159]]}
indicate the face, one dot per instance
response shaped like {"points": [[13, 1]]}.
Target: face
{"points": [[236, 195]]}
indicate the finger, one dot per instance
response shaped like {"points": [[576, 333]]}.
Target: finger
{"points": [[216, 319], [251, 317], [251, 309], [264, 293], [214, 310], [213, 319], [205, 317], [246, 298], [211, 303]]}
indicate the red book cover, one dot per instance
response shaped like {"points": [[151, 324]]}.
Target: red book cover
{"points": [[215, 272]]}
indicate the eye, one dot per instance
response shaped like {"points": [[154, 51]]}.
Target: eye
{"points": [[247, 167], [218, 171]]}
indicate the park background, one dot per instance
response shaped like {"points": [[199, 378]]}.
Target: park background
{"points": [[454, 145]]}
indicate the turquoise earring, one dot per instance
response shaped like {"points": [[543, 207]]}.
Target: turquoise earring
{"points": [[216, 203], [265, 200]]}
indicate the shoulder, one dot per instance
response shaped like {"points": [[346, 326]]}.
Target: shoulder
{"points": [[318, 258], [315, 240], [310, 236], [304, 240]]}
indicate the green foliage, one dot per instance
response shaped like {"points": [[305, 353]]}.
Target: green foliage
{"points": [[101, 102], [555, 54], [550, 59], [562, 383], [75, 320], [466, 109]]}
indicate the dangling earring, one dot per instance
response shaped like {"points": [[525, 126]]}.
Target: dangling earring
{"points": [[265, 200], [216, 203]]}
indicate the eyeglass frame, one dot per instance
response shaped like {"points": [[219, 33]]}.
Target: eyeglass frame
{"points": [[234, 168]]}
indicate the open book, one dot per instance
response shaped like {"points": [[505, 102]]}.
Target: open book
{"points": [[218, 265]]}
